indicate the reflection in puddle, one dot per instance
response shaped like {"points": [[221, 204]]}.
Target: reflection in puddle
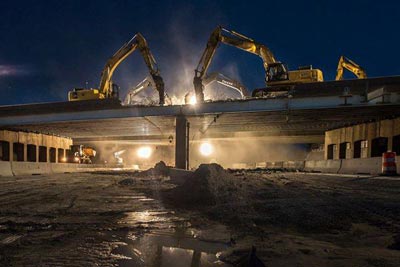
{"points": [[149, 217], [163, 249], [166, 241]]}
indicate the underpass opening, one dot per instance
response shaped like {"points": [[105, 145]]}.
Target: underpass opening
{"points": [[343, 148], [331, 149], [4, 151], [42, 154], [31, 152], [396, 144], [69, 154], [18, 152], [52, 154], [357, 149], [360, 149], [379, 145], [61, 156]]}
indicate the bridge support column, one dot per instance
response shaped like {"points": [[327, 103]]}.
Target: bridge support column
{"points": [[182, 142]]}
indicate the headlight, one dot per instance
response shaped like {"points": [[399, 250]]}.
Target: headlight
{"points": [[206, 149], [144, 152]]}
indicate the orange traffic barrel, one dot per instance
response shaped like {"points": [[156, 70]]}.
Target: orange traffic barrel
{"points": [[389, 163]]}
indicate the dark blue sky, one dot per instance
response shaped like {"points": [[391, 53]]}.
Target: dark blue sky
{"points": [[50, 47]]}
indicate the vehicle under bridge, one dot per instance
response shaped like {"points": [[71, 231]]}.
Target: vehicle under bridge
{"points": [[301, 115]]}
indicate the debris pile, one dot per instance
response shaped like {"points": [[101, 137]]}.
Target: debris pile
{"points": [[160, 169], [209, 185]]}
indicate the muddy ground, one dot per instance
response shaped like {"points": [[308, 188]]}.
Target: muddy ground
{"points": [[128, 219]]}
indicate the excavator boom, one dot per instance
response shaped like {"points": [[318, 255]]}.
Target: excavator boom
{"points": [[147, 82], [106, 88], [346, 63], [276, 74], [223, 80], [226, 81], [138, 41], [221, 35]]}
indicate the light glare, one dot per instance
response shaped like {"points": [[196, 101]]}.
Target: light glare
{"points": [[206, 149], [144, 152], [192, 100]]}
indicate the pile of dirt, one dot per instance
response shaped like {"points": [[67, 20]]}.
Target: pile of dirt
{"points": [[160, 169], [209, 185]]}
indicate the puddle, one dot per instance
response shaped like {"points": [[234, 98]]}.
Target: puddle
{"points": [[169, 242], [165, 249], [139, 217]]}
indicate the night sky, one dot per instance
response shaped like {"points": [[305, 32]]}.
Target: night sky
{"points": [[49, 47]]}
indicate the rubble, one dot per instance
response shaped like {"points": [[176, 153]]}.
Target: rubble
{"points": [[293, 219], [209, 185], [160, 169]]}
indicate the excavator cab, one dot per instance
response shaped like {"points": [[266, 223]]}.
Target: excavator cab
{"points": [[276, 72]]}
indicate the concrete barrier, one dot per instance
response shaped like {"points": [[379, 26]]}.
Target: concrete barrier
{"points": [[275, 165], [64, 167], [371, 166], [5, 168], [362, 166], [331, 166], [28, 168], [294, 165], [261, 165], [240, 166]]}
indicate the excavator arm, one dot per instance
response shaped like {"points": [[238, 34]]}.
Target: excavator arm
{"points": [[147, 82], [221, 79], [137, 42], [346, 63], [226, 81], [232, 38], [144, 84]]}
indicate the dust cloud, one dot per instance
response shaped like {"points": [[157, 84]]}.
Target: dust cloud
{"points": [[248, 153]]}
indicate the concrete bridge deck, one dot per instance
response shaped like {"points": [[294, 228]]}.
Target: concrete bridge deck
{"points": [[301, 116]]}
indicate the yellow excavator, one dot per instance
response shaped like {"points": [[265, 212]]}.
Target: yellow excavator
{"points": [[346, 63], [276, 73], [237, 88], [133, 97], [107, 88]]}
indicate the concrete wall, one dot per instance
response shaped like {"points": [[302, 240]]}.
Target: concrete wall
{"points": [[365, 131], [37, 139]]}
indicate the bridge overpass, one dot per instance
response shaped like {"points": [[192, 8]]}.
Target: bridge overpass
{"points": [[302, 115]]}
